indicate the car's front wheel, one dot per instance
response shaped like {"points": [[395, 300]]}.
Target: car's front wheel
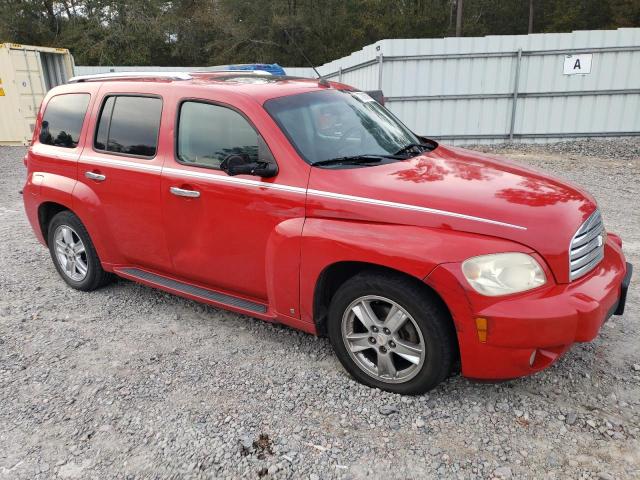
{"points": [[389, 332], [73, 253]]}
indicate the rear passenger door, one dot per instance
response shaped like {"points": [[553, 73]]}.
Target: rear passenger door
{"points": [[119, 173]]}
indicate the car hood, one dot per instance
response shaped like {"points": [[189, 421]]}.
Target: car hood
{"points": [[457, 189]]}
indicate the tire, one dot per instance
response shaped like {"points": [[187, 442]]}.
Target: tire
{"points": [[85, 272], [427, 328]]}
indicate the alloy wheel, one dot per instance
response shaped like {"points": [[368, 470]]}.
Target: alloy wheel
{"points": [[383, 339], [71, 253]]}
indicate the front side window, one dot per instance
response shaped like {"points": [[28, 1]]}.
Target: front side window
{"points": [[208, 133], [63, 119], [329, 124], [129, 125]]}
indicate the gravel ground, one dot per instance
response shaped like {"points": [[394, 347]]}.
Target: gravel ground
{"points": [[130, 382]]}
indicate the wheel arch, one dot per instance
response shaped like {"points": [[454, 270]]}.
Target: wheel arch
{"points": [[49, 209], [46, 212], [336, 274]]}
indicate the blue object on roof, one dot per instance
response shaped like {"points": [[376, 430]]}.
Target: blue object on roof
{"points": [[272, 68]]}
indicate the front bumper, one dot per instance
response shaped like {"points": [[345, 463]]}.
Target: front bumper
{"points": [[527, 332]]}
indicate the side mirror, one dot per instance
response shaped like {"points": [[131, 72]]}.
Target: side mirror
{"points": [[241, 164]]}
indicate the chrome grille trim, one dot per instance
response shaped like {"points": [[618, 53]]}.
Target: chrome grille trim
{"points": [[584, 249], [587, 246], [587, 236]]}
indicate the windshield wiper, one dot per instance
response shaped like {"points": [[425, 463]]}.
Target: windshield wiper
{"points": [[406, 148], [356, 159]]}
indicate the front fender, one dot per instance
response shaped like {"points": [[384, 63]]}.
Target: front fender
{"points": [[412, 250]]}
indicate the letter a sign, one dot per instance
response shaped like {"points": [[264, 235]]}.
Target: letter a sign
{"points": [[577, 64]]}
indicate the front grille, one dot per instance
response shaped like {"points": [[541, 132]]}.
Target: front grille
{"points": [[587, 246]]}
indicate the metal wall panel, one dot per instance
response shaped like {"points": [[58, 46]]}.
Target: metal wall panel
{"points": [[462, 89], [300, 72]]}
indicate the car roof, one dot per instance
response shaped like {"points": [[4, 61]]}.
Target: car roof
{"points": [[261, 87]]}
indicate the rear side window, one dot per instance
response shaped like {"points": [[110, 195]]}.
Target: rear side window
{"points": [[129, 125], [63, 119], [208, 133]]}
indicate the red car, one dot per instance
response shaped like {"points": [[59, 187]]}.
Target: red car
{"points": [[308, 203]]}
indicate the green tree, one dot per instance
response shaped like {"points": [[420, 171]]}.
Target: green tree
{"points": [[209, 32]]}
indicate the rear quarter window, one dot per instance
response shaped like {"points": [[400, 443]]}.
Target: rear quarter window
{"points": [[63, 118]]}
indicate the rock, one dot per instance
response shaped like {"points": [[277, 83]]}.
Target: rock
{"points": [[388, 409], [553, 460], [502, 472], [571, 418], [605, 476], [636, 367], [246, 442]]}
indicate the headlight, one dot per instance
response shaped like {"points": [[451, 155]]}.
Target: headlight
{"points": [[503, 273]]}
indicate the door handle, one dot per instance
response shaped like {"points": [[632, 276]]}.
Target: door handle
{"points": [[181, 192], [98, 177]]}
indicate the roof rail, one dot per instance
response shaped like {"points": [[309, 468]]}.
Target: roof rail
{"points": [[124, 75]]}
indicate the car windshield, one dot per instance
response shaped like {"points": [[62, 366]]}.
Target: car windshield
{"points": [[330, 124]]}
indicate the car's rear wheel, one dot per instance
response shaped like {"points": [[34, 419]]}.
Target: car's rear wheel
{"points": [[73, 253], [389, 332]]}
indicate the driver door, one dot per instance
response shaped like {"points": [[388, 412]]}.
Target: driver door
{"points": [[217, 226]]}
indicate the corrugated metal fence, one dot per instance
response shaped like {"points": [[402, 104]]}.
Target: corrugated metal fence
{"points": [[502, 88]]}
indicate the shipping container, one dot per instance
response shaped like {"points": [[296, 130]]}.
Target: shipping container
{"points": [[26, 74]]}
